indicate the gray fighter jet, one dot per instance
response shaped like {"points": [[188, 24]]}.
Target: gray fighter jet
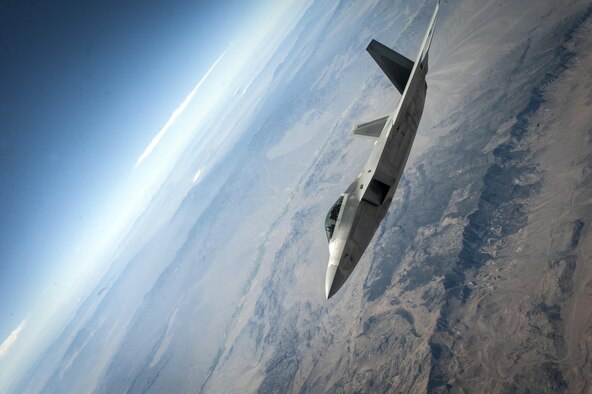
{"points": [[354, 218]]}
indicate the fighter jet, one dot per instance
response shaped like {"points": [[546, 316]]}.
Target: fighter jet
{"points": [[355, 216]]}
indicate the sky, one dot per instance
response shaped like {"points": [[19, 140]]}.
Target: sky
{"points": [[92, 95]]}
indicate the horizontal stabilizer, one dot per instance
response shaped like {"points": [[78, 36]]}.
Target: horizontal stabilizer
{"points": [[396, 66], [370, 129]]}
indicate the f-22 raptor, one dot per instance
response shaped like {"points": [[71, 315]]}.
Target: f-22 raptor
{"points": [[354, 218]]}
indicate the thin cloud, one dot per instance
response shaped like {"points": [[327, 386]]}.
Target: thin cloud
{"points": [[197, 175], [11, 339], [176, 113]]}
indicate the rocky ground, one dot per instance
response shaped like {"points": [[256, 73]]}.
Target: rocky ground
{"points": [[480, 278], [525, 321]]}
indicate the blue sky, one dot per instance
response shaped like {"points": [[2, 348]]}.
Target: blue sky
{"points": [[85, 87]]}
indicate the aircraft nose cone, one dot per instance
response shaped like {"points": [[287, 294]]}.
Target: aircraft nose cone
{"points": [[334, 280], [331, 269]]}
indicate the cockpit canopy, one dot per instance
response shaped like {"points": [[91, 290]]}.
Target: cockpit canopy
{"points": [[331, 218]]}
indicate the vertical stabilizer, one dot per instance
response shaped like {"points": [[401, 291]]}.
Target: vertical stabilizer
{"points": [[396, 66]]}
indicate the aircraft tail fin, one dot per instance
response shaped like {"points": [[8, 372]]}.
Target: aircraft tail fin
{"points": [[396, 66], [370, 129]]}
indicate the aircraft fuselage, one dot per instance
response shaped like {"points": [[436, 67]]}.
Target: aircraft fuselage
{"points": [[366, 201]]}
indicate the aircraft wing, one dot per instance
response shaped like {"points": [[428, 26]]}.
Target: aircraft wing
{"points": [[427, 41]]}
